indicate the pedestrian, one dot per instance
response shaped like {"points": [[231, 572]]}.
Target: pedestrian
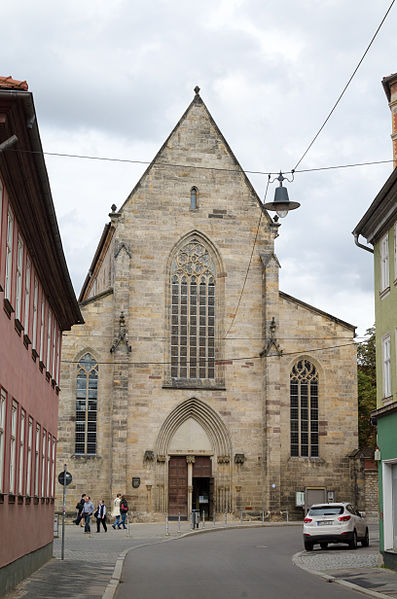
{"points": [[123, 511], [88, 510], [79, 508], [100, 516], [116, 511]]}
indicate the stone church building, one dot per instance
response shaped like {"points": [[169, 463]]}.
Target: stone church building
{"points": [[195, 382]]}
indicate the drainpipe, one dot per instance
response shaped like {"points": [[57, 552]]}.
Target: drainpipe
{"points": [[360, 245]]}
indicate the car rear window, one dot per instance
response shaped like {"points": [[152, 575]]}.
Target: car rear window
{"points": [[326, 510]]}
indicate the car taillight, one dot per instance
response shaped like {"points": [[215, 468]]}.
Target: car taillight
{"points": [[307, 520], [344, 518]]}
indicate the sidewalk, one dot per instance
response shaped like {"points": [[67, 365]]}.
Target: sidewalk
{"points": [[355, 569], [92, 565]]}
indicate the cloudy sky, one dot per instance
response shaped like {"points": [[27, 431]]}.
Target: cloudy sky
{"points": [[112, 78]]}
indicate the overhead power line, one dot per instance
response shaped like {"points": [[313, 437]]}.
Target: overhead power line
{"points": [[344, 89], [196, 166]]}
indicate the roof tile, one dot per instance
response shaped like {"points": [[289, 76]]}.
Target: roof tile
{"points": [[10, 83]]}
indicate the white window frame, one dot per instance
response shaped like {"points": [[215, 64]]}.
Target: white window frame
{"points": [[388, 504], [3, 404], [384, 262], [386, 365], [54, 442], [27, 296], [29, 458], [42, 331], [13, 446], [37, 461], [58, 356], [43, 469], [49, 341], [54, 333], [21, 463], [48, 457], [18, 294], [35, 308], [10, 238]]}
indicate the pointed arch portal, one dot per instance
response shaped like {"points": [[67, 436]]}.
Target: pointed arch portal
{"points": [[191, 441]]}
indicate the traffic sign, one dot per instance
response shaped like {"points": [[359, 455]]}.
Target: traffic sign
{"points": [[65, 478]]}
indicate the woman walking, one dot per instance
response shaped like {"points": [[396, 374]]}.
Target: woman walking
{"points": [[116, 511]]}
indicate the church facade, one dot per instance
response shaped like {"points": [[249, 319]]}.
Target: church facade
{"points": [[195, 382]]}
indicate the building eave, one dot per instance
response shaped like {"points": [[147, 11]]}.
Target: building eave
{"points": [[391, 408], [381, 212], [32, 203]]}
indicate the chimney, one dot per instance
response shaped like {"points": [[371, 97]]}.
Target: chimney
{"points": [[390, 87]]}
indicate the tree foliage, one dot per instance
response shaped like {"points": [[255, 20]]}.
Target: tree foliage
{"points": [[366, 375]]}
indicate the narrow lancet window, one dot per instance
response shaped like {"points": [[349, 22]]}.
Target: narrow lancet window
{"points": [[86, 405], [194, 198], [304, 409]]}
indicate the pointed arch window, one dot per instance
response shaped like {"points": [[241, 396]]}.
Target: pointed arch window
{"points": [[193, 292], [304, 409], [194, 198], [86, 405]]}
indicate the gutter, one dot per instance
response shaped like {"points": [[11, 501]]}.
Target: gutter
{"points": [[360, 245]]}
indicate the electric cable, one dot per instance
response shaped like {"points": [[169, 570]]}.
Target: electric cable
{"points": [[344, 89]]}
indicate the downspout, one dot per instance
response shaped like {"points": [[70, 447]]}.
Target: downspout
{"points": [[360, 245], [8, 142]]}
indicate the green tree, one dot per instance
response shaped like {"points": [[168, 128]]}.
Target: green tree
{"points": [[366, 375]]}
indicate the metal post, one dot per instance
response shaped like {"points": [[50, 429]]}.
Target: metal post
{"points": [[166, 527], [263, 515], [203, 519], [214, 516], [241, 516], [179, 522], [225, 518], [63, 511], [287, 514]]}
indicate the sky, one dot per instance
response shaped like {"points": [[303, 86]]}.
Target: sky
{"points": [[112, 78]]}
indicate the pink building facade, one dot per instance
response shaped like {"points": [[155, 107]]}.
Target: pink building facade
{"points": [[37, 303]]}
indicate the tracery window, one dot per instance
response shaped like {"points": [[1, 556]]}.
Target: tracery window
{"points": [[304, 409], [193, 313], [86, 405]]}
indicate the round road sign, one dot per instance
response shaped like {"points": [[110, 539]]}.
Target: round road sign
{"points": [[64, 478]]}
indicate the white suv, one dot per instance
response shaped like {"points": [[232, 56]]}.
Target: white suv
{"points": [[334, 523]]}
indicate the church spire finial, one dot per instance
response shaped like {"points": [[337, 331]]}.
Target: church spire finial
{"points": [[196, 90]]}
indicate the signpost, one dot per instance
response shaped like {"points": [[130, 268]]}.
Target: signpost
{"points": [[64, 478]]}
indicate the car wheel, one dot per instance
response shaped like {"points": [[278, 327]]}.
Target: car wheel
{"points": [[323, 545], [365, 540], [308, 546], [353, 542]]}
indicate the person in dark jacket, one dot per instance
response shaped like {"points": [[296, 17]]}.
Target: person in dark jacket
{"points": [[100, 516], [79, 508], [123, 512]]}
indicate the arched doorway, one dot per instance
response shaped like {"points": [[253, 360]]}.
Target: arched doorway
{"points": [[193, 454]]}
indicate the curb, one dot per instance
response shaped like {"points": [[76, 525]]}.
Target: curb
{"points": [[112, 586], [340, 581]]}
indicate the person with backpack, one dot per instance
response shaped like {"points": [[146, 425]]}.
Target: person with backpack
{"points": [[79, 508], [123, 512]]}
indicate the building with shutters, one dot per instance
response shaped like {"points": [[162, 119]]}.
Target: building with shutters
{"points": [[195, 383]]}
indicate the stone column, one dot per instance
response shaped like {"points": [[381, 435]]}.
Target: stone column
{"points": [[190, 461]]}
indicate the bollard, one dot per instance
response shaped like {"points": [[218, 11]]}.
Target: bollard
{"points": [[179, 522], [214, 516], [203, 518], [241, 516], [263, 515], [225, 518], [166, 527]]}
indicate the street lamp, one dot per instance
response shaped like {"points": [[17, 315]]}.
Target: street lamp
{"points": [[281, 204]]}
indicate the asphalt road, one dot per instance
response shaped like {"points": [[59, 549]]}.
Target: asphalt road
{"points": [[249, 563]]}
